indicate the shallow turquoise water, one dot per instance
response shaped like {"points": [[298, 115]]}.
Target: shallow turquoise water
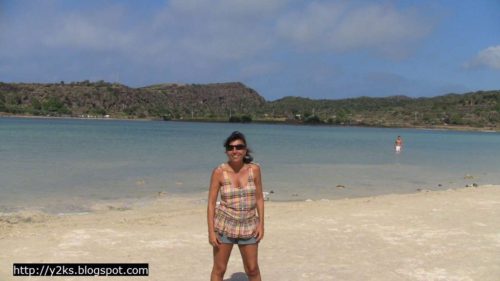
{"points": [[63, 164]]}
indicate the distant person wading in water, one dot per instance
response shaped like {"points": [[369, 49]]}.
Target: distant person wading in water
{"points": [[398, 144], [239, 219]]}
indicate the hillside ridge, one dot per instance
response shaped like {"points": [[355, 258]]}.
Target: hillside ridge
{"points": [[235, 101]]}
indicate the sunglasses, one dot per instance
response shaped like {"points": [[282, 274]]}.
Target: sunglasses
{"points": [[238, 147]]}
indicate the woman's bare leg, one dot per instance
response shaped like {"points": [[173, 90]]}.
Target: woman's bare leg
{"points": [[249, 254], [221, 257]]}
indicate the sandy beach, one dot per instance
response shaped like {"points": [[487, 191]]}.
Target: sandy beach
{"points": [[439, 235]]}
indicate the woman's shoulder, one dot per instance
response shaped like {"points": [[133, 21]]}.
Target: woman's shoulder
{"points": [[219, 169], [255, 167]]}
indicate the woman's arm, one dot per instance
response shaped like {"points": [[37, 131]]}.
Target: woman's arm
{"points": [[259, 197], [212, 200]]}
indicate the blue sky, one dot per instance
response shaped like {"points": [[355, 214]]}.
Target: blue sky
{"points": [[316, 49]]}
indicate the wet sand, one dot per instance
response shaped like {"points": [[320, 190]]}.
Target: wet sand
{"points": [[438, 235]]}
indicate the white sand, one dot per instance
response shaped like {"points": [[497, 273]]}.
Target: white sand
{"points": [[448, 235]]}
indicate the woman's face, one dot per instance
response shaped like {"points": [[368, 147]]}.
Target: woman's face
{"points": [[236, 151]]}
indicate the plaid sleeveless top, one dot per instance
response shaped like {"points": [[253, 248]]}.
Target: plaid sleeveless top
{"points": [[236, 216]]}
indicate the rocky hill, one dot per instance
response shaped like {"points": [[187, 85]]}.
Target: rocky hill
{"points": [[222, 101], [173, 101]]}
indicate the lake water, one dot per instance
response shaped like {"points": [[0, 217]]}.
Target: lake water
{"points": [[64, 165]]}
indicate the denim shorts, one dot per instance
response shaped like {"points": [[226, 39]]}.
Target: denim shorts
{"points": [[240, 241]]}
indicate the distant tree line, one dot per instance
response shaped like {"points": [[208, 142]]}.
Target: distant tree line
{"points": [[235, 102]]}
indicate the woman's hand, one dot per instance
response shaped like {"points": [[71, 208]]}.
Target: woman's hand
{"points": [[259, 232], [213, 239]]}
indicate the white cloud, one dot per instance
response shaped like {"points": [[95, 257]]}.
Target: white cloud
{"points": [[44, 29], [312, 25], [228, 8], [342, 26], [489, 57], [201, 39], [89, 32], [218, 30], [224, 29]]}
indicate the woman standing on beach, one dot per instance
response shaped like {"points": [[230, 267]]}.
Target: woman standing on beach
{"points": [[239, 218]]}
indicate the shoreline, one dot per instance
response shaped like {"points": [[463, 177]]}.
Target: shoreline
{"points": [[89, 206], [138, 204], [438, 235], [273, 122]]}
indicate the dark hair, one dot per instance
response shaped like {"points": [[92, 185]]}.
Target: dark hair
{"points": [[239, 136]]}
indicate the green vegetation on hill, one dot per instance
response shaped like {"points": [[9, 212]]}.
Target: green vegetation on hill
{"points": [[167, 101], [237, 103], [478, 109]]}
